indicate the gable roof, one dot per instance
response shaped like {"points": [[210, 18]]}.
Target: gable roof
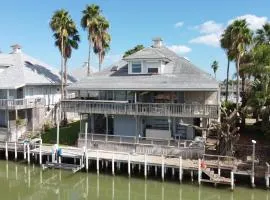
{"points": [[179, 75], [22, 69]]}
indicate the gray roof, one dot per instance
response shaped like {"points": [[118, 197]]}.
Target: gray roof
{"points": [[19, 69], [179, 75]]}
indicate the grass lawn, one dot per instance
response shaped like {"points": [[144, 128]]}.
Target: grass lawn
{"points": [[68, 135]]}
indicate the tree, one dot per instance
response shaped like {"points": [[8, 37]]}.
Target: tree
{"points": [[60, 24], [214, 66], [101, 38], [70, 42], [263, 35], [133, 50], [88, 21], [226, 44], [241, 37]]}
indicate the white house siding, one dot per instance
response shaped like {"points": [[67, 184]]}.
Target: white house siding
{"points": [[200, 97], [51, 94], [124, 125]]}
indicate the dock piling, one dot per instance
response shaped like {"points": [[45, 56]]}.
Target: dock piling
{"points": [[113, 164], [16, 153], [97, 163], [162, 168], [129, 173], [267, 181], [232, 180], [40, 153], [145, 166], [24, 151], [199, 171], [28, 153], [180, 169], [6, 152]]}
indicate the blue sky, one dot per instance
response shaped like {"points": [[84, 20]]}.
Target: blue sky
{"points": [[191, 27]]}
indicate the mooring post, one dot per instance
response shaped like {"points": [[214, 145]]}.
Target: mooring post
{"points": [[180, 169], [191, 175], [129, 173], [113, 164], [40, 153], [162, 167], [6, 151], [267, 181], [199, 171], [86, 160], [155, 170], [219, 171], [28, 153], [16, 153], [252, 178], [97, 163], [232, 180], [139, 168], [145, 166], [24, 151]]}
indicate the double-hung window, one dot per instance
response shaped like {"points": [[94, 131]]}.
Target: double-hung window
{"points": [[136, 67]]}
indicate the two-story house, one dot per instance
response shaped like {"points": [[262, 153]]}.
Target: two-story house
{"points": [[151, 93], [28, 89]]}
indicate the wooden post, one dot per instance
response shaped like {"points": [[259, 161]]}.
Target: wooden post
{"points": [[199, 171], [129, 173], [191, 175], [155, 170], [28, 153], [107, 128], [16, 153], [86, 160], [232, 180], [113, 164], [97, 163], [252, 178], [267, 181], [6, 151], [162, 167], [145, 166], [40, 153], [57, 129], [173, 172], [180, 169], [24, 151]]}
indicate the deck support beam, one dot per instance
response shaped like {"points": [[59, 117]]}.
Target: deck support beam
{"points": [[145, 166], [232, 180], [28, 153], [199, 171], [180, 169], [129, 172], [6, 151], [267, 181], [162, 167], [16, 153], [113, 172], [97, 163], [40, 153]]}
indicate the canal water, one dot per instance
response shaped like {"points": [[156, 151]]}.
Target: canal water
{"points": [[20, 181]]}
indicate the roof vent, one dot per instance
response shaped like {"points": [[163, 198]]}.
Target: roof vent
{"points": [[157, 42], [16, 48]]}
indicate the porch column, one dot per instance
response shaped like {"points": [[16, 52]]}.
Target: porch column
{"points": [[173, 126], [107, 128], [80, 122], [136, 127], [7, 119], [169, 122], [219, 104], [92, 119], [135, 97], [33, 123]]}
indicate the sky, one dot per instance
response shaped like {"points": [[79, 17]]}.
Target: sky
{"points": [[191, 28]]}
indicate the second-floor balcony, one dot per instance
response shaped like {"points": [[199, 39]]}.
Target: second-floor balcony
{"points": [[12, 104], [141, 109]]}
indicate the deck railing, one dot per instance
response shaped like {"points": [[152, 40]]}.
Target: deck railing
{"points": [[142, 109], [21, 103]]}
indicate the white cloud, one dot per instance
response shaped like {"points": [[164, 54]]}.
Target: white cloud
{"points": [[178, 24], [254, 21], [180, 49], [210, 27], [208, 39]]}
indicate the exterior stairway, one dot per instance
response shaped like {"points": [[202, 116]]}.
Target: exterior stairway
{"points": [[215, 178]]}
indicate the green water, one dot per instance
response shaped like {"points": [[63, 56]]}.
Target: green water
{"points": [[20, 181]]}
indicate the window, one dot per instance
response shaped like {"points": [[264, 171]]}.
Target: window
{"points": [[153, 70], [136, 67]]}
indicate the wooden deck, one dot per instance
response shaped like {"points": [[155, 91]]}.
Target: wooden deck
{"points": [[141, 109]]}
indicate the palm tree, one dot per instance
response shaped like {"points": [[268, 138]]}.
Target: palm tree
{"points": [[70, 42], [88, 21], [226, 44], [60, 24], [101, 38], [214, 66], [241, 37], [263, 35]]}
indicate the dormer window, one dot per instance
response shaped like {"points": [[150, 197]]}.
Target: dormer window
{"points": [[136, 67], [153, 70]]}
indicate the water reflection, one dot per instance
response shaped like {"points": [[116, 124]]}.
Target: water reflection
{"points": [[28, 182]]}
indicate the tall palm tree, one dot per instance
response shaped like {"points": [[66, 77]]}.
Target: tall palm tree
{"points": [[60, 24], [241, 37], [263, 35], [214, 66], [226, 44], [101, 38], [70, 42], [88, 21]]}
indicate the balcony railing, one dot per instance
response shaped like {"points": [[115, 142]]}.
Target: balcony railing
{"points": [[142, 109], [12, 104]]}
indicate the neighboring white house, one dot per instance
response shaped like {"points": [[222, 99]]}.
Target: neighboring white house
{"points": [[153, 93], [28, 89]]}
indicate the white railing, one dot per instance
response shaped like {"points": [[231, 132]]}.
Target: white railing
{"points": [[21, 103], [143, 109]]}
